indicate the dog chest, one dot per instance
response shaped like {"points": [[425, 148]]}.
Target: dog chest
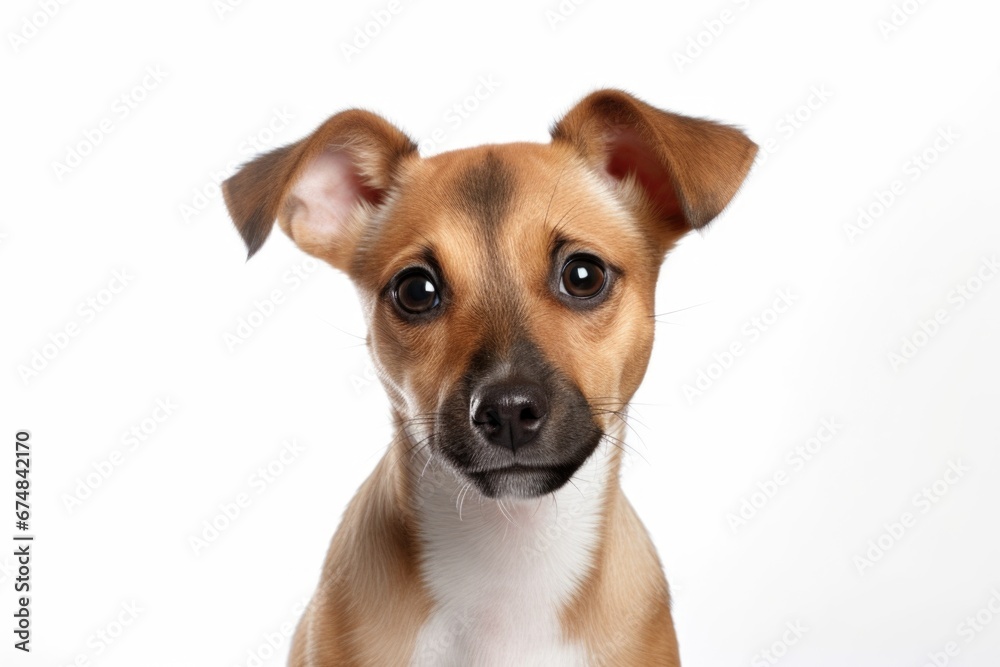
{"points": [[502, 574]]}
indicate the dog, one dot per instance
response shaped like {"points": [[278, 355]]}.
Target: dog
{"points": [[509, 295]]}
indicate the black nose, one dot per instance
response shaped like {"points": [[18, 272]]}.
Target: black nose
{"points": [[509, 414]]}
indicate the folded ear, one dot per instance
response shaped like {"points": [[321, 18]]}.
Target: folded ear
{"points": [[322, 189], [681, 171]]}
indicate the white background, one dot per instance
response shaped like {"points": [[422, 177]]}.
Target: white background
{"points": [[228, 77]]}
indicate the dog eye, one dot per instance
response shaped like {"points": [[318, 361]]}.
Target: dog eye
{"points": [[582, 277], [416, 292]]}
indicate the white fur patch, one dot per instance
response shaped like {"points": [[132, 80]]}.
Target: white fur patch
{"points": [[500, 573]]}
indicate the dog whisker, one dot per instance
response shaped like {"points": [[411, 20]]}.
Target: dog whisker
{"points": [[545, 218], [624, 418], [346, 333], [503, 511], [671, 312], [430, 456]]}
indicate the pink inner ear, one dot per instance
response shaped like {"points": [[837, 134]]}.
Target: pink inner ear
{"points": [[628, 154], [324, 197]]}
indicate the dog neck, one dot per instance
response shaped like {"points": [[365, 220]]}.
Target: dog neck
{"points": [[502, 573]]}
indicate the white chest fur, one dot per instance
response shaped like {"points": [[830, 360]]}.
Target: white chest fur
{"points": [[500, 574]]}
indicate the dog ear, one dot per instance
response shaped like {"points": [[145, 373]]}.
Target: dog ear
{"points": [[682, 171], [321, 189]]}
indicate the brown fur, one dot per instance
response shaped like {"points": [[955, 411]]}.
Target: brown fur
{"points": [[621, 179]]}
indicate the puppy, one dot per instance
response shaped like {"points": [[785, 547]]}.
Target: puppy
{"points": [[508, 291]]}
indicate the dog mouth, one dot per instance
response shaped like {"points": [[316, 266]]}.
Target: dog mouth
{"points": [[521, 431], [537, 466], [521, 480], [519, 468]]}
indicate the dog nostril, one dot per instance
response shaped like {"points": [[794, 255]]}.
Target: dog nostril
{"points": [[508, 414], [493, 421]]}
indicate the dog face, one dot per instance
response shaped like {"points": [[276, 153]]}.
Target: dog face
{"points": [[508, 289], [511, 314]]}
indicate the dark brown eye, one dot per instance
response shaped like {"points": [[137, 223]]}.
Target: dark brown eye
{"points": [[416, 292], [582, 277]]}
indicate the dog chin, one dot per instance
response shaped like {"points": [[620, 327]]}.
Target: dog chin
{"points": [[519, 482]]}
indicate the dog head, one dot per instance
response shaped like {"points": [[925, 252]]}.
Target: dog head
{"points": [[508, 288]]}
